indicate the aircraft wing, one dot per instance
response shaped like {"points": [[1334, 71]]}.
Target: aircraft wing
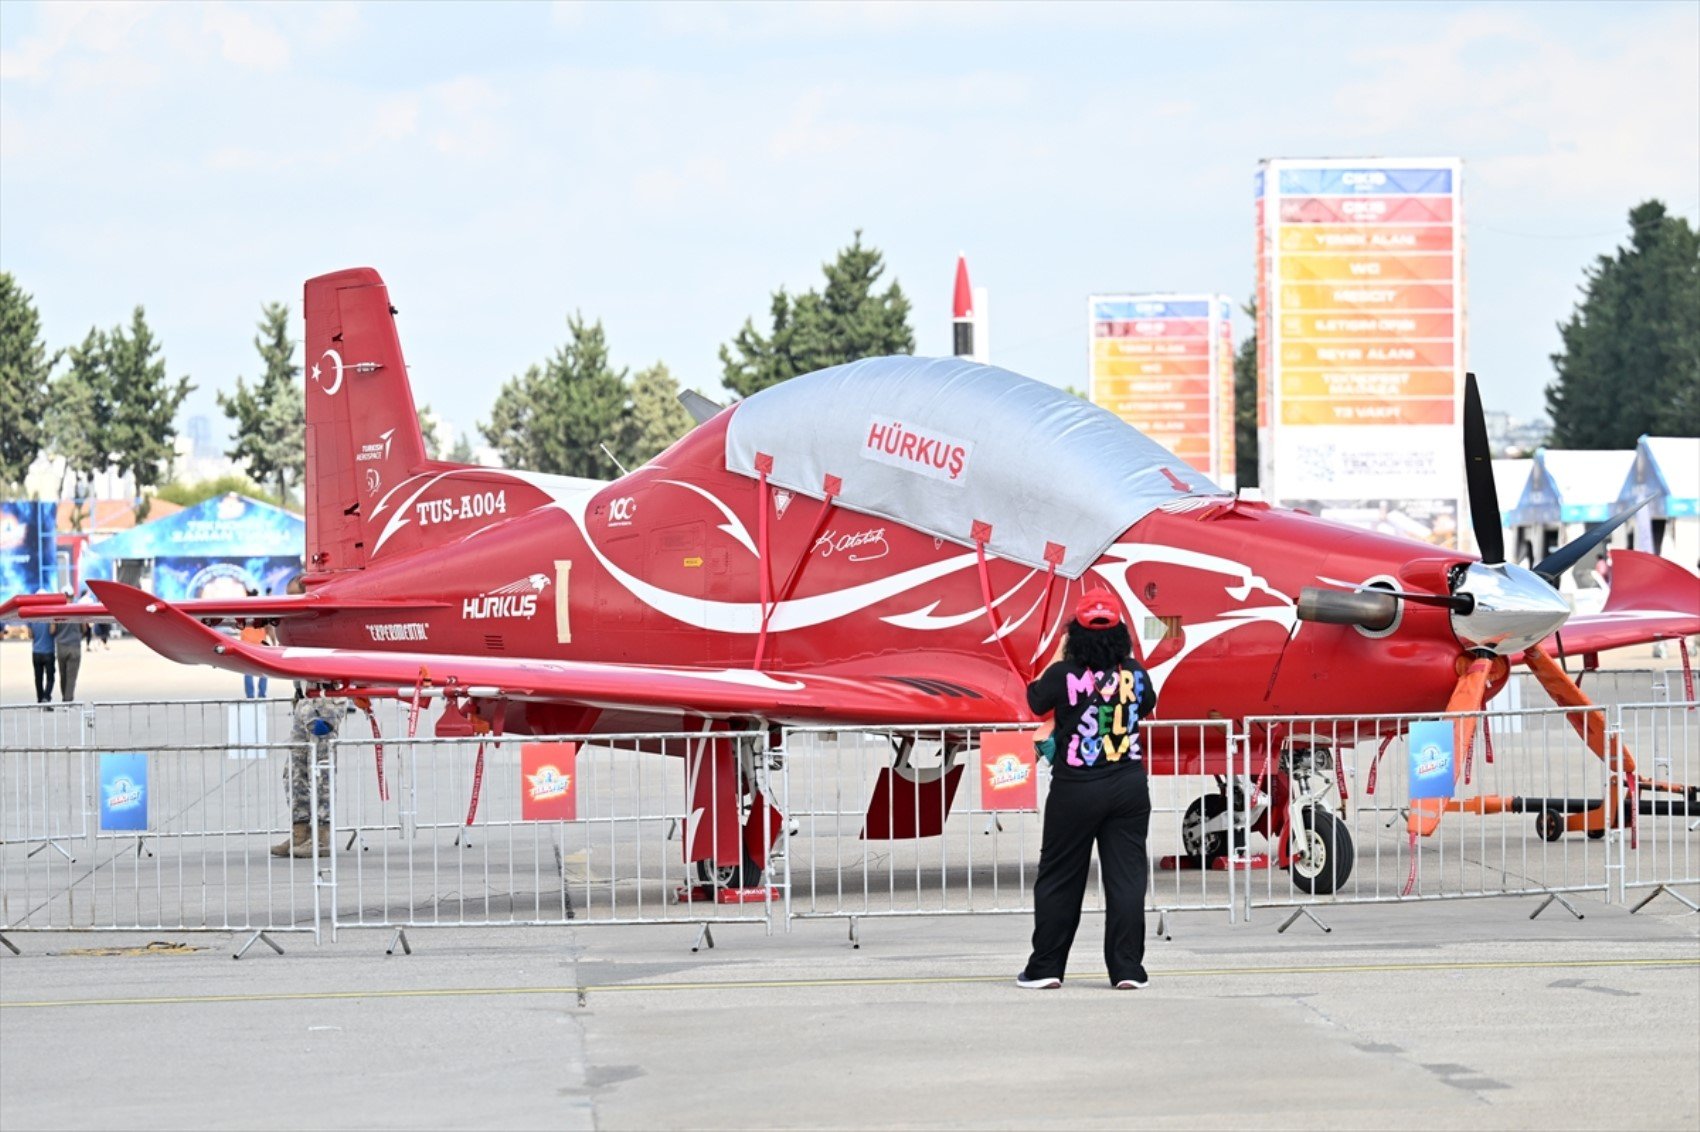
{"points": [[778, 696], [1651, 599], [54, 607]]}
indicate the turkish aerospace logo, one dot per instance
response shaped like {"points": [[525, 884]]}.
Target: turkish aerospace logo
{"points": [[516, 599]]}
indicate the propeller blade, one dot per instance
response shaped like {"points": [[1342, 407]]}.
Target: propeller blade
{"points": [[1478, 478], [1553, 566]]}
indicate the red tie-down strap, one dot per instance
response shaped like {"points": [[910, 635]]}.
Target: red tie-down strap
{"points": [[831, 487], [1487, 742], [764, 468], [1687, 674], [1411, 877], [419, 687], [477, 783], [1470, 757], [981, 533], [365, 705], [1375, 764], [1055, 552]]}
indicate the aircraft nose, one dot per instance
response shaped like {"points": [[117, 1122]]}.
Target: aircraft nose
{"points": [[1511, 608]]}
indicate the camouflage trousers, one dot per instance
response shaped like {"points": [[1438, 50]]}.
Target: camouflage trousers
{"points": [[303, 736]]}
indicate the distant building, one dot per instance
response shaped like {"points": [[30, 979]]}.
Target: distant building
{"points": [[1511, 437]]}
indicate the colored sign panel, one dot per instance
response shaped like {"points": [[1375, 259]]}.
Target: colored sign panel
{"points": [[1009, 771], [187, 579], [1158, 362], [27, 535], [548, 782], [1360, 293], [123, 791], [1431, 756]]}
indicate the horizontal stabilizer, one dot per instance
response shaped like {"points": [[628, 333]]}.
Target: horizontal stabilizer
{"points": [[53, 607], [1651, 599], [714, 693]]}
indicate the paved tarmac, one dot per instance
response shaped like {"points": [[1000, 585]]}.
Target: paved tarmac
{"points": [[1456, 1015], [1464, 1015]]}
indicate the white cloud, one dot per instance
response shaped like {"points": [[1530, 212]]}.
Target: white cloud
{"points": [[1609, 117]]}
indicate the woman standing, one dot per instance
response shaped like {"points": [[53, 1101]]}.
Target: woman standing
{"points": [[1099, 792]]}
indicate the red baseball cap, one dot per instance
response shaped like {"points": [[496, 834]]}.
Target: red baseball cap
{"points": [[1096, 610]]}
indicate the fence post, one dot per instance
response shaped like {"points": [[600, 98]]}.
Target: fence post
{"points": [[321, 885], [785, 813]]}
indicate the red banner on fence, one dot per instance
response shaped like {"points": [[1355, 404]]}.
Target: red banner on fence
{"points": [[1009, 771], [548, 783]]}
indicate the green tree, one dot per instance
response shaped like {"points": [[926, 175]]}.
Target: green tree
{"points": [[428, 432], [1245, 405], [145, 403], [657, 418], [25, 366], [818, 329], [1630, 362], [461, 453], [81, 410], [555, 418], [271, 416], [199, 491]]}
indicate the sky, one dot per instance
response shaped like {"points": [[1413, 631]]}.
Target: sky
{"points": [[664, 168]]}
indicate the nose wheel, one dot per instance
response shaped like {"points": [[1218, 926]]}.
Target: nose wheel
{"points": [[1326, 853]]}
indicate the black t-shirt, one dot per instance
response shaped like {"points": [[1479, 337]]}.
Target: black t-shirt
{"points": [[1097, 716]]}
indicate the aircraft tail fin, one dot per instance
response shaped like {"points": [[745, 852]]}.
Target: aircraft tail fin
{"points": [[363, 433]]}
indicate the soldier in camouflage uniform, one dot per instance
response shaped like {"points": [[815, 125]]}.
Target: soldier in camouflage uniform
{"points": [[314, 718]]}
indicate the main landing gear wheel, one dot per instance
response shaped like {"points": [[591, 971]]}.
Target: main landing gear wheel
{"points": [[1328, 854], [1195, 842], [746, 875]]}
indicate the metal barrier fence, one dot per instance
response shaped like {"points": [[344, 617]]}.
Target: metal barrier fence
{"points": [[1534, 811], [459, 832], [145, 835], [468, 832], [44, 798], [885, 825], [1662, 846]]}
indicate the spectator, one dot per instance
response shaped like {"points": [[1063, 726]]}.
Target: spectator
{"points": [[252, 633], [68, 651], [41, 652]]}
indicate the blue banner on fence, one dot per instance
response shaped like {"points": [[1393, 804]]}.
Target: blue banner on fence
{"points": [[123, 791], [1431, 759]]}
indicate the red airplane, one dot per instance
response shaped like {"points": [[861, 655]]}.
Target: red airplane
{"points": [[894, 541]]}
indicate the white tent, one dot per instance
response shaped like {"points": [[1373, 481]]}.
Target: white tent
{"points": [[1568, 490], [1668, 469]]}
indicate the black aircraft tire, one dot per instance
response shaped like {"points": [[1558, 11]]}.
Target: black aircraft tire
{"points": [[1204, 846], [746, 875], [1329, 840]]}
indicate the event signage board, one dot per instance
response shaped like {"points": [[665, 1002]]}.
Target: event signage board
{"points": [[1431, 754], [1009, 771], [123, 791], [1157, 362], [1360, 292], [548, 782], [28, 561]]}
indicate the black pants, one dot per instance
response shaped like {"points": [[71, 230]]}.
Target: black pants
{"points": [[1114, 811], [43, 676]]}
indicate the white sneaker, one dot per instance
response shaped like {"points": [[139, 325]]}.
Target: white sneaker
{"points": [[1049, 982], [1140, 983]]}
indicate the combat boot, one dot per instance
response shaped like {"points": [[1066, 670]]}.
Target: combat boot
{"points": [[300, 835], [310, 846]]}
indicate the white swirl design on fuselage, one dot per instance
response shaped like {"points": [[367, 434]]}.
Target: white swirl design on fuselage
{"points": [[1118, 559], [746, 616]]}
